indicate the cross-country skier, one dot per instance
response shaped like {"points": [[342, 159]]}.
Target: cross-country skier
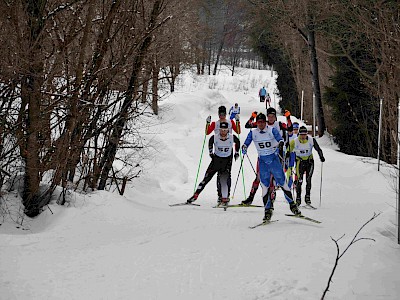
{"points": [[220, 149], [268, 142], [282, 128], [291, 156], [267, 101], [262, 93], [233, 111], [214, 126], [303, 146]]}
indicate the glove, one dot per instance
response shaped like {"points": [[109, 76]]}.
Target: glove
{"points": [[236, 156], [237, 118], [287, 113], [208, 120], [322, 159], [244, 149]]}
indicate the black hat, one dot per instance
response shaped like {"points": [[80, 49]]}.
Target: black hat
{"points": [[221, 110], [223, 125], [271, 111], [261, 116], [303, 130]]}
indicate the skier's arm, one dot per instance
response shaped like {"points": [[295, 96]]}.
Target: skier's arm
{"points": [[319, 150], [279, 139], [277, 135], [211, 146], [283, 127], [210, 128], [230, 110], [250, 123], [237, 143], [289, 121], [249, 139]]}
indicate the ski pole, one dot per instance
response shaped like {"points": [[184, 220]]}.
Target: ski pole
{"points": [[237, 178], [198, 168], [251, 165], [241, 158], [320, 187]]}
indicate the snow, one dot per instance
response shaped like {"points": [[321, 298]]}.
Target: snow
{"points": [[107, 246]]}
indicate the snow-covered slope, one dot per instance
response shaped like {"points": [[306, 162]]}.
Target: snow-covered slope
{"points": [[105, 246]]}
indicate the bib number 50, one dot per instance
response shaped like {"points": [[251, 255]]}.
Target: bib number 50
{"points": [[264, 145]]}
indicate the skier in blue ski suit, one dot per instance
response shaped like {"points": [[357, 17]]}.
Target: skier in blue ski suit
{"points": [[235, 110], [262, 93], [269, 142]]}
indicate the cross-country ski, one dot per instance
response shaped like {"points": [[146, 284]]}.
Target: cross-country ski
{"points": [[184, 203], [263, 223], [304, 218]]}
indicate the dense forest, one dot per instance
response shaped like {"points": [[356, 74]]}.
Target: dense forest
{"points": [[77, 76]]}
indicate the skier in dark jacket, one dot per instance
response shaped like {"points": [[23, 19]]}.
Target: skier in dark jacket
{"points": [[220, 149]]}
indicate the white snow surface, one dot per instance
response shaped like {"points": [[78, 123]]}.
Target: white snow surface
{"points": [[107, 246]]}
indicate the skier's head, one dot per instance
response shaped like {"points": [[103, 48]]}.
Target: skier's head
{"points": [[236, 105], [303, 132], [223, 129], [261, 121], [296, 127], [271, 114], [222, 112]]}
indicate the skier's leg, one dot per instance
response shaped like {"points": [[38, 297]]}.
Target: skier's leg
{"points": [[254, 186], [300, 172], [225, 179], [309, 174], [265, 177], [211, 170]]}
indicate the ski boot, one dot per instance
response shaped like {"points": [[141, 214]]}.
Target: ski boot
{"points": [[248, 201], [295, 210], [307, 199], [268, 215], [193, 198], [224, 202], [298, 201]]}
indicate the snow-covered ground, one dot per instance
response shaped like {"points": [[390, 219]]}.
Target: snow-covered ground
{"points": [[106, 246]]}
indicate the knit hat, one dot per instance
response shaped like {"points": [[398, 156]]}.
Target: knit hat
{"points": [[271, 111], [223, 125], [296, 125], [261, 116], [221, 110], [303, 130]]}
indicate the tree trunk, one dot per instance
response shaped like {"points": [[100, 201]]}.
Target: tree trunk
{"points": [[315, 80], [111, 148], [31, 93], [221, 46], [154, 86]]}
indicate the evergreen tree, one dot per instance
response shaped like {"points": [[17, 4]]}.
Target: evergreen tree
{"points": [[354, 109]]}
